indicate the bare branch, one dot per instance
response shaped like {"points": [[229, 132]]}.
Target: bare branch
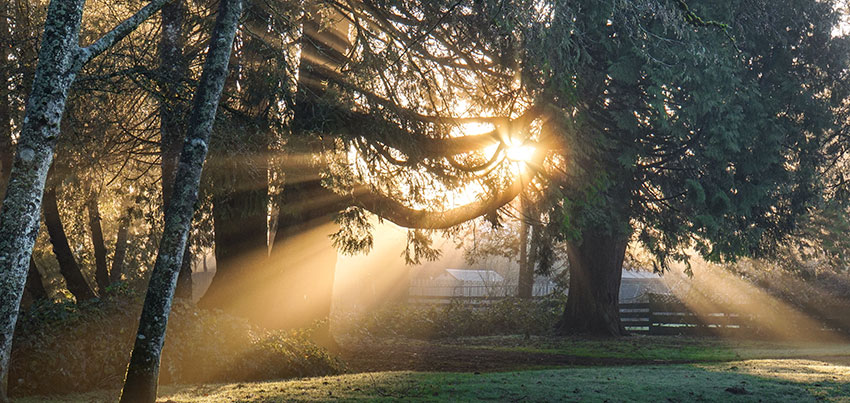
{"points": [[120, 31]]}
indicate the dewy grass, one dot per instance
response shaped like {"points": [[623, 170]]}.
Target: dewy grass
{"points": [[655, 348], [745, 381]]}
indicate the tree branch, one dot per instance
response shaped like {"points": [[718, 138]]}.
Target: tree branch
{"points": [[120, 31]]}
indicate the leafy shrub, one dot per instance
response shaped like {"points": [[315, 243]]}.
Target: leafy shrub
{"points": [[65, 347], [459, 319]]}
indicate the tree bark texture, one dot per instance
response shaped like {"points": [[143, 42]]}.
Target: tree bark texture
{"points": [[59, 60], [19, 216], [143, 371], [68, 266], [120, 246], [6, 152], [101, 273], [596, 266], [173, 70]]}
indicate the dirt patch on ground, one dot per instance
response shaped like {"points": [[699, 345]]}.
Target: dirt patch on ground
{"points": [[415, 355]]}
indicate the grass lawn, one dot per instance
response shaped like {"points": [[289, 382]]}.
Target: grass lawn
{"points": [[748, 380], [513, 368], [664, 348]]}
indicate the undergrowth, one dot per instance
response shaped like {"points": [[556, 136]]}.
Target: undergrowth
{"points": [[461, 319], [65, 347]]}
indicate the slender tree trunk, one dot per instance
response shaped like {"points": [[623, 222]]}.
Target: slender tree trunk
{"points": [[534, 247], [173, 69], [120, 246], [143, 371], [68, 266], [59, 60], [184, 278], [525, 285], [35, 286], [596, 265], [101, 273]]}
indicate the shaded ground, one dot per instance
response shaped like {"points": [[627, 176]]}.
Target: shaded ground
{"points": [[414, 355]]}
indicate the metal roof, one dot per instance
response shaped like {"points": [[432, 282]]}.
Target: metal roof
{"points": [[640, 274]]}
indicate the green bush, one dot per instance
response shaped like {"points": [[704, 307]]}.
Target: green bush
{"points": [[64, 347], [460, 319]]}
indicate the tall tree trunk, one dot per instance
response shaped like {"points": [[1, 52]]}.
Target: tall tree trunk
{"points": [[241, 193], [173, 70], [143, 371], [101, 273], [68, 266], [120, 246], [525, 285], [307, 271], [35, 286], [308, 207], [59, 60], [6, 152], [596, 266], [184, 278], [241, 244]]}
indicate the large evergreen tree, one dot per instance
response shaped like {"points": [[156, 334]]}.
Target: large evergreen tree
{"points": [[682, 132]]}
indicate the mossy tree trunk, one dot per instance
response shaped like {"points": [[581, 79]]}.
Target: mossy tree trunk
{"points": [[60, 58], [143, 371], [173, 70]]}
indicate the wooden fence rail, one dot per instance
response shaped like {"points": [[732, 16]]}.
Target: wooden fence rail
{"points": [[675, 318], [664, 315]]}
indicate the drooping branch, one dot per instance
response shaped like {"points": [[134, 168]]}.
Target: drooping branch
{"points": [[404, 216], [391, 209]]}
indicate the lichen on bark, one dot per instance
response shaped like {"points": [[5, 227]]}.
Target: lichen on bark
{"points": [[142, 373]]}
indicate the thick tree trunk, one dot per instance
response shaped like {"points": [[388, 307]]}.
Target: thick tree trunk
{"points": [[173, 69], [35, 286], [305, 257], [241, 245], [120, 246], [68, 266], [59, 60], [143, 371], [101, 273], [596, 265]]}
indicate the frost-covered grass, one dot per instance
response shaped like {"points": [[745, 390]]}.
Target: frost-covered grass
{"points": [[748, 380], [666, 348]]}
